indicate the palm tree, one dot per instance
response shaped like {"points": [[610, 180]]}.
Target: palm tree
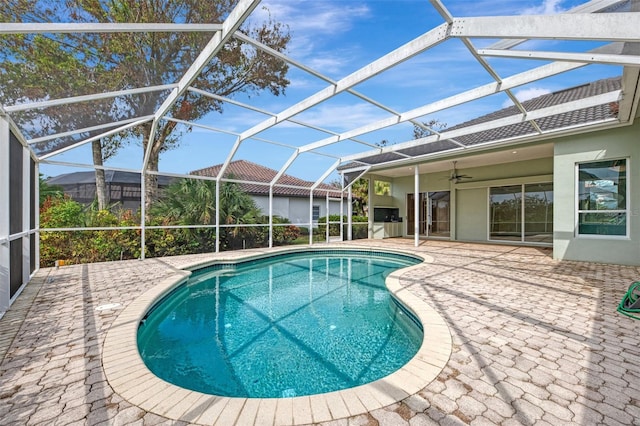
{"points": [[193, 202]]}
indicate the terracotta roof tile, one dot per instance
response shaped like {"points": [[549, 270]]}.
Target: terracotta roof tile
{"points": [[249, 171]]}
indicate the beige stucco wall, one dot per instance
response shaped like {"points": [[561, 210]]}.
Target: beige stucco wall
{"points": [[471, 214], [602, 145], [469, 207]]}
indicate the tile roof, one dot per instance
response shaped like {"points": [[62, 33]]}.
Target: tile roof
{"points": [[554, 122], [248, 171]]}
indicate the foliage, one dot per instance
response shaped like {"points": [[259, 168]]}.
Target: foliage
{"points": [[382, 187], [46, 190], [427, 128], [192, 202], [58, 65], [282, 235], [360, 194], [85, 246], [185, 202], [334, 228]]}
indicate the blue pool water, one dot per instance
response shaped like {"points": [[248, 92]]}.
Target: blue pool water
{"points": [[289, 325]]}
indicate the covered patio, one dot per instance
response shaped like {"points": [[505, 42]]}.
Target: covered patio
{"points": [[535, 341]]}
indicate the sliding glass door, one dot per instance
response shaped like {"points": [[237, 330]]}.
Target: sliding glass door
{"points": [[434, 214], [521, 213], [439, 214]]}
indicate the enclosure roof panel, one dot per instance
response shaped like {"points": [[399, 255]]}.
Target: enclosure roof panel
{"points": [[593, 114], [350, 95]]}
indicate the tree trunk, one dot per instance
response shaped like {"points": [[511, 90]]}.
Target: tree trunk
{"points": [[101, 185], [151, 180], [150, 183]]}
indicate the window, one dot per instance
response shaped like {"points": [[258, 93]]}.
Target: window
{"points": [[316, 212], [521, 213], [602, 198], [381, 187]]}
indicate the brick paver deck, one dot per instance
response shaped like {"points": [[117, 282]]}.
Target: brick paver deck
{"points": [[535, 341]]}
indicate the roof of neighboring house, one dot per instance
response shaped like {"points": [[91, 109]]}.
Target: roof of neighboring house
{"points": [[554, 122], [248, 171], [110, 177]]}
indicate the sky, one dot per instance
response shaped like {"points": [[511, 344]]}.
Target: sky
{"points": [[336, 38]]}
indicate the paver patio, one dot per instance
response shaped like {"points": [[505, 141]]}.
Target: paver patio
{"points": [[535, 341]]}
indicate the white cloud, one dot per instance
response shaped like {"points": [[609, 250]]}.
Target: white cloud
{"points": [[314, 26], [526, 94], [548, 7], [315, 17], [341, 117]]}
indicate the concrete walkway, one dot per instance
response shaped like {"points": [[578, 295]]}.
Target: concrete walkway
{"points": [[535, 341]]}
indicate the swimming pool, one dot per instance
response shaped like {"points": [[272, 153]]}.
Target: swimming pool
{"points": [[284, 326]]}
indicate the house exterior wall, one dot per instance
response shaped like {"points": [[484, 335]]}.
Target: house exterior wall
{"points": [[469, 200], [472, 214], [296, 209], [606, 144], [280, 205]]}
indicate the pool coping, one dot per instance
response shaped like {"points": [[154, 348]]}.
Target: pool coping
{"points": [[133, 381]]}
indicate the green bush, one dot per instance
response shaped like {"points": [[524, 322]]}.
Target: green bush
{"points": [[116, 244], [358, 231], [283, 235], [85, 246]]}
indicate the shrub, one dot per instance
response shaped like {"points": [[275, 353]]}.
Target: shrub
{"points": [[358, 232], [86, 246], [284, 235]]}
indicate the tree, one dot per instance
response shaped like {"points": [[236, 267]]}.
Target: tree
{"points": [[50, 66], [360, 192], [48, 191], [193, 202], [426, 128]]}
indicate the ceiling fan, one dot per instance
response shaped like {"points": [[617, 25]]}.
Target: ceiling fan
{"points": [[455, 177]]}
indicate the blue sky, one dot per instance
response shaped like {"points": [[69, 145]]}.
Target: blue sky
{"points": [[336, 38]]}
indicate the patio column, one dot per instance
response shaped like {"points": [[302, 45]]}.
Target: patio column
{"points": [[327, 208], [27, 205], [270, 216], [311, 217], [349, 213], [218, 183], [370, 209], [416, 206]]}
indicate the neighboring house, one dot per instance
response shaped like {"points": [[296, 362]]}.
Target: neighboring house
{"points": [[567, 181], [122, 187], [290, 194]]}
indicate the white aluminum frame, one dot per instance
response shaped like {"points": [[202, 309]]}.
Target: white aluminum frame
{"points": [[620, 30], [5, 253]]}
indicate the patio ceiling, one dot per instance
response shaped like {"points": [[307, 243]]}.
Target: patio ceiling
{"points": [[595, 34]]}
